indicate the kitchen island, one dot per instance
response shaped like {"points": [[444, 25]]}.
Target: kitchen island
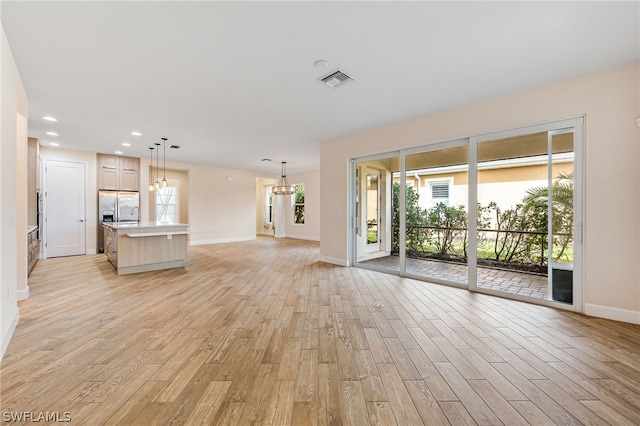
{"points": [[133, 247]]}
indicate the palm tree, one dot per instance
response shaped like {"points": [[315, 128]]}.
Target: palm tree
{"points": [[561, 206]]}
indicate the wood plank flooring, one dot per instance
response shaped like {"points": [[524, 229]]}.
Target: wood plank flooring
{"points": [[261, 332]]}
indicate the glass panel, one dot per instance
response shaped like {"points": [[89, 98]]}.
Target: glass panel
{"points": [[561, 241], [165, 204], [512, 247], [374, 214], [372, 208], [436, 214], [298, 206]]}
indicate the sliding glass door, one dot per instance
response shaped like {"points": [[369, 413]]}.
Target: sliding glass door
{"points": [[499, 213], [526, 216]]}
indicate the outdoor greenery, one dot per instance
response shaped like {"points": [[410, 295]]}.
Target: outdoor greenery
{"points": [[513, 238], [298, 205]]}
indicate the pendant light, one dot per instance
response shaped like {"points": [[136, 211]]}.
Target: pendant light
{"points": [[283, 187], [157, 184], [164, 160], [151, 187]]}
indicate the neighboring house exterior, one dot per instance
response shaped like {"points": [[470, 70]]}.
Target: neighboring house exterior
{"points": [[504, 182]]}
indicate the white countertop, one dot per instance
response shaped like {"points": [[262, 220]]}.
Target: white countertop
{"points": [[142, 224]]}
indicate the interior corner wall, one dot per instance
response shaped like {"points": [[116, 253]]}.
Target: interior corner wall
{"points": [[310, 230], [13, 101], [610, 103]]}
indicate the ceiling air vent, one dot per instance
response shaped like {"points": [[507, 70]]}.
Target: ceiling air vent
{"points": [[336, 78]]}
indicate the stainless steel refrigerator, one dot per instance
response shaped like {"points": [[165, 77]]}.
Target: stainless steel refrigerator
{"points": [[116, 206]]}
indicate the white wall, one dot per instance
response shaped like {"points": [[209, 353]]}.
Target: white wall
{"points": [[13, 207], [310, 230], [610, 102]]}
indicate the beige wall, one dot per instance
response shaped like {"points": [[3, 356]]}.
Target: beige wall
{"points": [[609, 101], [13, 179], [222, 203]]}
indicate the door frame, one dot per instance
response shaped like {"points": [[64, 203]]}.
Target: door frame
{"points": [[577, 123], [46, 206]]}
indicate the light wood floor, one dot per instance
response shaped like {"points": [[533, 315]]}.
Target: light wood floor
{"points": [[261, 332]]}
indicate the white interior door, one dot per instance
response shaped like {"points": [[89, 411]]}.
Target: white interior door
{"points": [[65, 220]]}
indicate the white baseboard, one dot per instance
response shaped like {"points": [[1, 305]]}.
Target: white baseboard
{"points": [[333, 260], [615, 314], [303, 237], [221, 241], [91, 251], [23, 294], [7, 337]]}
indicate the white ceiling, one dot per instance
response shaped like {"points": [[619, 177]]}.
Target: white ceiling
{"points": [[235, 82]]}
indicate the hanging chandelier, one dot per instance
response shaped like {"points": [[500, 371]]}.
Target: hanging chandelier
{"points": [[164, 160], [157, 184], [283, 187], [151, 186]]}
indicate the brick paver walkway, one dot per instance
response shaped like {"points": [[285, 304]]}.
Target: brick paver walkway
{"points": [[513, 282]]}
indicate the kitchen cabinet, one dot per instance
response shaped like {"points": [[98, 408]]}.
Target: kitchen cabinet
{"points": [[110, 245], [147, 246], [118, 173], [33, 247]]}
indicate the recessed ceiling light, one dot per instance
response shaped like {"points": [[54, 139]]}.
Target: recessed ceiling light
{"points": [[136, 134], [54, 144], [126, 144], [52, 133], [321, 63], [49, 118], [118, 152]]}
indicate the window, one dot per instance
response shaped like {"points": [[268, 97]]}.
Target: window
{"points": [[439, 192], [298, 204], [268, 205], [166, 204]]}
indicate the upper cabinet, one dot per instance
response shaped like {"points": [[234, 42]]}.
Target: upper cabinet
{"points": [[118, 173]]}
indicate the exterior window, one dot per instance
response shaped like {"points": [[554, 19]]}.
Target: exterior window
{"points": [[268, 205], [298, 204], [166, 204], [439, 192]]}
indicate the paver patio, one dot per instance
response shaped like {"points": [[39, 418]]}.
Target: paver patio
{"points": [[513, 282]]}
